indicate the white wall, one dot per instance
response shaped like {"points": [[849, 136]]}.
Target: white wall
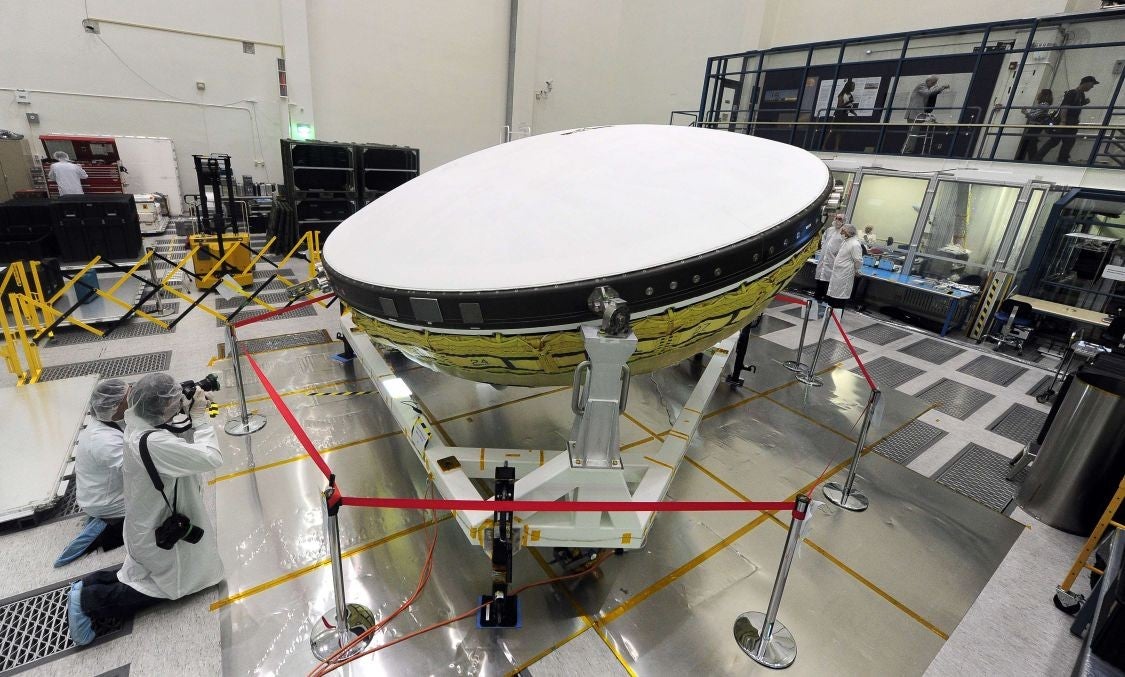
{"points": [[432, 75], [623, 61], [80, 86]]}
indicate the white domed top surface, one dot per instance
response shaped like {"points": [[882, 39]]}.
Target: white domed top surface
{"points": [[575, 205]]}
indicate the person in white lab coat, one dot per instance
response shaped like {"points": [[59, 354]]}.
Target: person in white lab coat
{"points": [[67, 175], [845, 268], [179, 455], [829, 245], [99, 487]]}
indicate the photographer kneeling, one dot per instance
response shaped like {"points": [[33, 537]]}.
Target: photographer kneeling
{"points": [[171, 549]]}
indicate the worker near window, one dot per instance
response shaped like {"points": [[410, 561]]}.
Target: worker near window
{"points": [[829, 245], [922, 97], [1069, 113], [67, 175], [1037, 114], [99, 487], [845, 267], [869, 238], [846, 106], [165, 458]]}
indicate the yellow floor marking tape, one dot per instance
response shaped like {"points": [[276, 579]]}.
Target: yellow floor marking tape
{"points": [[810, 419], [867, 583], [301, 457], [586, 618], [640, 425], [653, 460], [262, 587], [503, 404], [557, 645], [296, 391]]}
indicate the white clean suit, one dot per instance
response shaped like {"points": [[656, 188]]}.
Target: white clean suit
{"points": [[100, 489], [828, 252], [180, 460], [845, 266]]}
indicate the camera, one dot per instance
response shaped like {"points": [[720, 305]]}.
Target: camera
{"points": [[177, 527], [208, 383]]}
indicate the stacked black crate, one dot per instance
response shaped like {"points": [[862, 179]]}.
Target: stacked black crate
{"points": [[320, 179], [26, 232], [383, 168], [105, 225]]}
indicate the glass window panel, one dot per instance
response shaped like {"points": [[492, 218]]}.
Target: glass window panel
{"points": [[790, 59], [1027, 223], [967, 221], [889, 204], [872, 51], [841, 191], [940, 45]]}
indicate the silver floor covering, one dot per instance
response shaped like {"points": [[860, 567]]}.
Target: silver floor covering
{"points": [[871, 593]]}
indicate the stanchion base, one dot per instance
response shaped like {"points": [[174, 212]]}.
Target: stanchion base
{"points": [[324, 639], [780, 649], [793, 365], [809, 378], [855, 502], [236, 427]]}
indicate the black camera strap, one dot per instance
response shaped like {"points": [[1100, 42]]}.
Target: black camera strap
{"points": [[146, 459]]}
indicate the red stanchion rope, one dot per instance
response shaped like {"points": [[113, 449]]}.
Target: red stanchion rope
{"points": [[291, 421], [848, 341], [566, 506], [281, 311], [791, 299]]}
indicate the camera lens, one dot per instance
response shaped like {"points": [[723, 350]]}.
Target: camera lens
{"points": [[193, 534]]}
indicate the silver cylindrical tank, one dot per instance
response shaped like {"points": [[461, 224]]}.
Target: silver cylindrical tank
{"points": [[1080, 463]]}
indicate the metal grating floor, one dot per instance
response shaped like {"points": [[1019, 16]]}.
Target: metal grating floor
{"points": [[272, 298], [979, 473], [111, 367], [307, 311], [890, 373], [279, 342], [71, 337], [932, 350], [1020, 423], [66, 508], [831, 352], [953, 398], [911, 440], [265, 273], [34, 627], [879, 334], [993, 370], [769, 324], [1040, 386]]}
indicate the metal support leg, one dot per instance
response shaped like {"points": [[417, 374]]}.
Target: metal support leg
{"points": [[845, 496], [796, 364], [246, 423], [735, 376], [338, 627], [761, 636], [808, 377], [501, 610]]}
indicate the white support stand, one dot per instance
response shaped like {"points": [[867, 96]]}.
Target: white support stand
{"points": [[590, 469]]}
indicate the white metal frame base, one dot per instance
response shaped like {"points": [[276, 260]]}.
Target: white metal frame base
{"points": [[548, 475]]}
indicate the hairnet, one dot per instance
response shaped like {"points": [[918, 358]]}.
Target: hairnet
{"points": [[156, 398], [847, 230], [106, 398], [62, 156]]}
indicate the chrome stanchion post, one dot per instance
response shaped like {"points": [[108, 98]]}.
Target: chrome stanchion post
{"points": [[247, 422], [808, 377], [845, 496], [761, 636], [796, 364], [338, 627]]}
